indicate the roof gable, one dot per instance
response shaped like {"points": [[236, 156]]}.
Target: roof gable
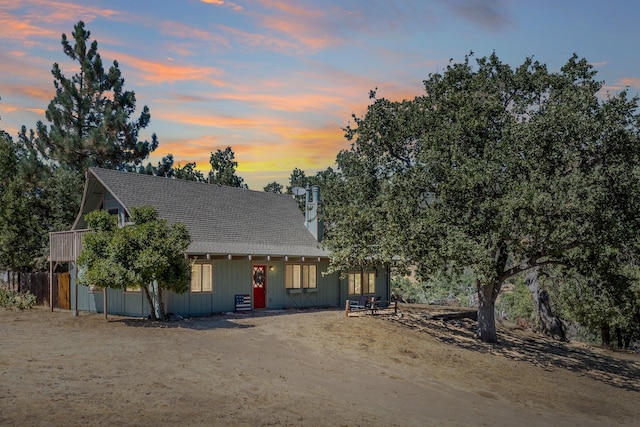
{"points": [[220, 220]]}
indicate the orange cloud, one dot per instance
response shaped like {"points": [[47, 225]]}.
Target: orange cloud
{"points": [[56, 12], [631, 82], [260, 40], [161, 72], [38, 111], [212, 120], [12, 28], [306, 35], [290, 9], [188, 149], [30, 91], [276, 147]]}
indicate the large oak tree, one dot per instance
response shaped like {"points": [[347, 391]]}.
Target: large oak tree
{"points": [[493, 168]]}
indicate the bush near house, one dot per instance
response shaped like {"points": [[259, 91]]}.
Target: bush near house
{"points": [[12, 299]]}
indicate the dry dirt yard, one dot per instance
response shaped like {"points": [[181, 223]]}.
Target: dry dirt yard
{"points": [[313, 367]]}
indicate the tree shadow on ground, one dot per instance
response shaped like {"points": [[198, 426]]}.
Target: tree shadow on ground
{"points": [[213, 321], [188, 323], [538, 350]]}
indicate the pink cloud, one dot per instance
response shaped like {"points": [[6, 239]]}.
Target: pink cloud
{"points": [[167, 72], [30, 91], [12, 28], [630, 81], [232, 5], [184, 31]]}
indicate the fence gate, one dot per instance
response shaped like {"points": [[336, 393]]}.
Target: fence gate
{"points": [[64, 291]]}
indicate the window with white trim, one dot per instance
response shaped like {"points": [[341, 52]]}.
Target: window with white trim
{"points": [[300, 276], [362, 283], [201, 278]]}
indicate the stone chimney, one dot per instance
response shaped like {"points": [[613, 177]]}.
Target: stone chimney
{"points": [[311, 221]]}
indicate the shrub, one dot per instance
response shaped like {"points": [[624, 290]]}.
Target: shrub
{"points": [[439, 289], [409, 290], [21, 300], [517, 304]]}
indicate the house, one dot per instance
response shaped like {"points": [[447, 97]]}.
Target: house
{"points": [[248, 247]]}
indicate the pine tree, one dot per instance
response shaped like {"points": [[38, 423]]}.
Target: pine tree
{"points": [[89, 115]]}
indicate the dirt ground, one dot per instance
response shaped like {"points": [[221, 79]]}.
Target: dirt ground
{"points": [[313, 367]]}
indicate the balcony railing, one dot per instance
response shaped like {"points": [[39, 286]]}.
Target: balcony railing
{"points": [[65, 246]]}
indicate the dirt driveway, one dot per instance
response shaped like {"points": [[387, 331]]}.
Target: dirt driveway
{"points": [[301, 368]]}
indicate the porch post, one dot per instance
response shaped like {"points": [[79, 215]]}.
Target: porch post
{"points": [[75, 285], [51, 285], [104, 293]]}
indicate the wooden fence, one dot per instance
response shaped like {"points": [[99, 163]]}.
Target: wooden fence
{"points": [[38, 285]]}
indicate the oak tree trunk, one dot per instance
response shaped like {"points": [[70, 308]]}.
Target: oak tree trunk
{"points": [[486, 312], [550, 324], [605, 331], [619, 337]]}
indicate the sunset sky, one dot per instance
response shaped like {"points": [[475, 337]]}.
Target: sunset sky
{"points": [[277, 80]]}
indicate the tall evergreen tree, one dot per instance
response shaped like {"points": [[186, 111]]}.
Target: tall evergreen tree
{"points": [[90, 114], [21, 231]]}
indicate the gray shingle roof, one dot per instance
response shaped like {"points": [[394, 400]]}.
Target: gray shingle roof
{"points": [[220, 220]]}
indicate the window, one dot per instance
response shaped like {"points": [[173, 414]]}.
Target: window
{"points": [[362, 283], [201, 278], [300, 276]]}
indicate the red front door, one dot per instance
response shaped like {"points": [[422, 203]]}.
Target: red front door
{"points": [[259, 286]]}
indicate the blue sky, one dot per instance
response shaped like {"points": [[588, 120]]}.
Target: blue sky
{"points": [[277, 80]]}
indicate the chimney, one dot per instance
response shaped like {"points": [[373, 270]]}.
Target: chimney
{"points": [[311, 221]]}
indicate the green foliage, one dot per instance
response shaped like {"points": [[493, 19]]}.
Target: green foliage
{"points": [[135, 255], [610, 300], [43, 172], [517, 304], [167, 169], [441, 288], [273, 187], [23, 202], [447, 287], [326, 179], [12, 299], [90, 114], [408, 290], [297, 178], [493, 168], [188, 172], [223, 169]]}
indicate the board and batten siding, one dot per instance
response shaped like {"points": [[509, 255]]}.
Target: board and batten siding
{"points": [[230, 278], [326, 293]]}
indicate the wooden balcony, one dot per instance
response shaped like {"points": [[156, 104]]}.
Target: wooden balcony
{"points": [[65, 246]]}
